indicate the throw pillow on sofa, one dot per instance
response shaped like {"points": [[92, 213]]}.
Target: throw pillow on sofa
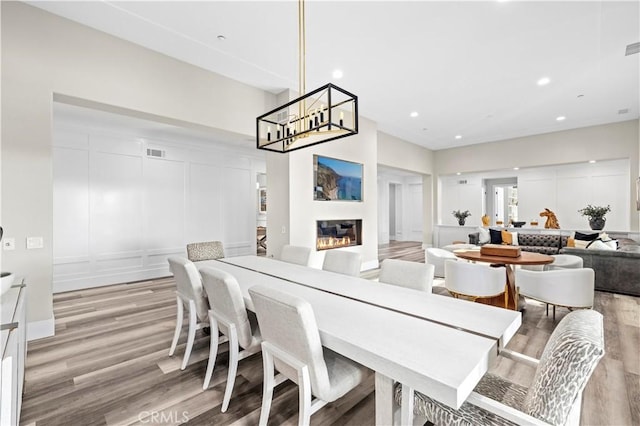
{"points": [[496, 236], [598, 244], [483, 235], [585, 237]]}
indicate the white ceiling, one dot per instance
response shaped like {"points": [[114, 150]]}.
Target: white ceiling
{"points": [[467, 68]]}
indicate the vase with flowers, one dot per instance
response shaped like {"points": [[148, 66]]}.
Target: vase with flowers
{"points": [[596, 215], [461, 216]]}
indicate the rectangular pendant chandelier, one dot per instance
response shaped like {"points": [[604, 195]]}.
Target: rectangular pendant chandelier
{"points": [[323, 115]]}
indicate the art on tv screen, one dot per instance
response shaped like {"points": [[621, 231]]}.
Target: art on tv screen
{"points": [[336, 180]]}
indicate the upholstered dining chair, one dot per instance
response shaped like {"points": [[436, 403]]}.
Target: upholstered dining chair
{"points": [[295, 254], [189, 293], [555, 395], [474, 281], [418, 276], [228, 315], [342, 262], [436, 257], [291, 343], [208, 250], [571, 288]]}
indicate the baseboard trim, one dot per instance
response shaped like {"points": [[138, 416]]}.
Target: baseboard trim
{"points": [[41, 329], [80, 283]]}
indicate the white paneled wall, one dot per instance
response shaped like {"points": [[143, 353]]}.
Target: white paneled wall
{"points": [[118, 213], [564, 189]]}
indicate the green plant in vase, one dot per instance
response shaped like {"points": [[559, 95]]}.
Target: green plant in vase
{"points": [[596, 215], [461, 216]]}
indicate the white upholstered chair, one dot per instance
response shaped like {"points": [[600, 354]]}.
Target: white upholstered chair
{"points": [[474, 280], [555, 395], [208, 250], [189, 293], [564, 261], [571, 288], [291, 343], [436, 257], [342, 262], [295, 254], [403, 273], [228, 315]]}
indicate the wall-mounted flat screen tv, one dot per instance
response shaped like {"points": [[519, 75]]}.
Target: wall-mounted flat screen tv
{"points": [[336, 180]]}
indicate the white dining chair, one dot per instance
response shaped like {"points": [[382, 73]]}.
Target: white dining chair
{"points": [[436, 257], [418, 276], [189, 293], [570, 288], [555, 395], [229, 316], [342, 262], [295, 254], [291, 344], [474, 281]]}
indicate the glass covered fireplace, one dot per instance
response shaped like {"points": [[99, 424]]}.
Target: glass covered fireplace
{"points": [[338, 233]]}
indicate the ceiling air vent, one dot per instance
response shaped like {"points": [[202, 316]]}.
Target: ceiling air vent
{"points": [[158, 153], [632, 48], [462, 182]]}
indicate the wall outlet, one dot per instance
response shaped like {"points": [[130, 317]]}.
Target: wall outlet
{"points": [[9, 244], [35, 243]]}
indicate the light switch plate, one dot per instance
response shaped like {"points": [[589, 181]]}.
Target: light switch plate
{"points": [[34, 243], [9, 244]]}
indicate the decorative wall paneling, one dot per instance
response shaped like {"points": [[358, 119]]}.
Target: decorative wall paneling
{"points": [[119, 213]]}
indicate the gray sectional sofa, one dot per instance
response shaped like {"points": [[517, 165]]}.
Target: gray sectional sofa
{"points": [[617, 271]]}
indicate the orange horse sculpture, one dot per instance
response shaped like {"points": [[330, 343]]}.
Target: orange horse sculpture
{"points": [[552, 220]]}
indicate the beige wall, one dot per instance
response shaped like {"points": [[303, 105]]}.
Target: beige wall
{"points": [[604, 142], [44, 55]]}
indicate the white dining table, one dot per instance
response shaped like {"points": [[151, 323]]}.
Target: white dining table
{"points": [[433, 344]]}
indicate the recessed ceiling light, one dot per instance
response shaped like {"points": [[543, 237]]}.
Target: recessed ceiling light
{"points": [[544, 81], [414, 114], [458, 174], [458, 136], [592, 161], [337, 74], [221, 37], [561, 118], [516, 168]]}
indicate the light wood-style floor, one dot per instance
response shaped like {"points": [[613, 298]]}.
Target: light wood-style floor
{"points": [[108, 364]]}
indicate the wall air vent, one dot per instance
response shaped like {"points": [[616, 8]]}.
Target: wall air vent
{"points": [[158, 153], [462, 182], [623, 111]]}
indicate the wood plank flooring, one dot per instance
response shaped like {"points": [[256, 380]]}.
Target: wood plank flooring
{"points": [[108, 364]]}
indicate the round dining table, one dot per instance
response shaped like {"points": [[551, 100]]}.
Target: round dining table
{"points": [[525, 258]]}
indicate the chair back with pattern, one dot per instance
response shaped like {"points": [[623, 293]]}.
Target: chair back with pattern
{"points": [[568, 360], [208, 250]]}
